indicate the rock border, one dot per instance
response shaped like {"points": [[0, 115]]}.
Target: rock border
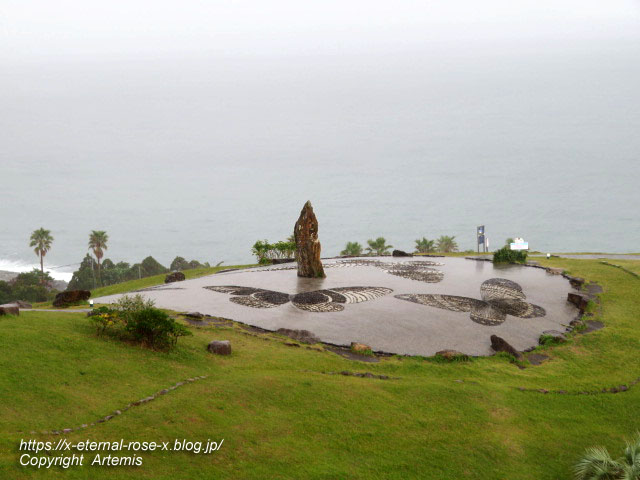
{"points": [[137, 403], [618, 389]]}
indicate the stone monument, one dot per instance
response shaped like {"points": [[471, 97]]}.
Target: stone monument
{"points": [[305, 234]]}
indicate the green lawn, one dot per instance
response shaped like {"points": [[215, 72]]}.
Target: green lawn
{"points": [[282, 418]]}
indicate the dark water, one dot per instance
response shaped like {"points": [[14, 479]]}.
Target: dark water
{"points": [[201, 157]]}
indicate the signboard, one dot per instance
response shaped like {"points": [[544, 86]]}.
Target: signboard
{"points": [[519, 244], [480, 235]]}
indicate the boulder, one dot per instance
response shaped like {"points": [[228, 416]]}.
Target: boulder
{"points": [[220, 347], [451, 354], [304, 336], [196, 315], [499, 344], [576, 282], [555, 271], [361, 348], [69, 297], [579, 299], [174, 277], [9, 309], [594, 289], [305, 233], [400, 253]]}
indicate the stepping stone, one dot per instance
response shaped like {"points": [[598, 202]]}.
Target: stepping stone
{"points": [[592, 326], [537, 358]]}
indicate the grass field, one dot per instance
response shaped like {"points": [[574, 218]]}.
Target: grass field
{"points": [[281, 417]]}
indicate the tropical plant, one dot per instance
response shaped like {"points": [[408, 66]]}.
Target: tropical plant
{"points": [[378, 246], [597, 464], [446, 244], [353, 249], [425, 245], [98, 243], [508, 241], [41, 240]]}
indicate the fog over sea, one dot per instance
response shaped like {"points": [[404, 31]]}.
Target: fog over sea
{"points": [[200, 156]]}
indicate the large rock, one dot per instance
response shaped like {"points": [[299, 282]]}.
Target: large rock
{"points": [[220, 347], [9, 309], [305, 234], [64, 299], [174, 277], [304, 336], [400, 253], [499, 344], [579, 299]]}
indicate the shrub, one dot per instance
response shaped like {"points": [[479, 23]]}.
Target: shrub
{"points": [[446, 244], [425, 245], [104, 317], [265, 251], [155, 328], [506, 255], [126, 306]]}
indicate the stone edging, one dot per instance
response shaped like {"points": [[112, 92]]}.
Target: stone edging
{"points": [[621, 268], [618, 389], [347, 373], [119, 412]]}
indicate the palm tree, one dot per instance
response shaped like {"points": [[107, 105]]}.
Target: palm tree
{"points": [[378, 246], [98, 242], [597, 464], [41, 241], [425, 245], [508, 241], [447, 244], [353, 249]]}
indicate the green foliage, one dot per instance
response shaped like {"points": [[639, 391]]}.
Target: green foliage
{"points": [[98, 244], [265, 251], [425, 245], [135, 318], [353, 248], [446, 244], [597, 464], [378, 247], [155, 328], [150, 266], [29, 287], [508, 241], [87, 277], [506, 255]]}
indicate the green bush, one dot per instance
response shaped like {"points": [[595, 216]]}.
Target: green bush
{"points": [[265, 252], [135, 318], [506, 255], [155, 328]]}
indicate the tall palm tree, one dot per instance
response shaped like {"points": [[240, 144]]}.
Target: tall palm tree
{"points": [[447, 244], [98, 243], [353, 249], [597, 464], [41, 241], [378, 246], [425, 245]]}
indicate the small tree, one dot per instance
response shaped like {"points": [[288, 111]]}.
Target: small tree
{"points": [[98, 244], [41, 240], [424, 245], [508, 241], [447, 244], [378, 246], [353, 249], [597, 464]]}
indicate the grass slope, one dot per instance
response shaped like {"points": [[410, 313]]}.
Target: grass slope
{"points": [[282, 418]]}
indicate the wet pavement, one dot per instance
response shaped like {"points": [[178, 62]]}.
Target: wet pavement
{"points": [[357, 302]]}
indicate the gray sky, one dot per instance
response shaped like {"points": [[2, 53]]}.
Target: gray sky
{"points": [[45, 29]]}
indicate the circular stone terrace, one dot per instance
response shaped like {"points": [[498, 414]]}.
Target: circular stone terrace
{"points": [[413, 306]]}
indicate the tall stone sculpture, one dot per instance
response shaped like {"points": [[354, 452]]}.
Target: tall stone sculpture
{"points": [[305, 234]]}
